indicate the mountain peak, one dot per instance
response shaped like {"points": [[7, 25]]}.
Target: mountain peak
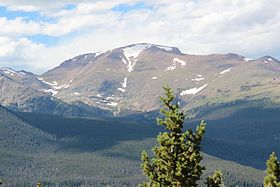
{"points": [[7, 69], [12, 72], [267, 59], [153, 47]]}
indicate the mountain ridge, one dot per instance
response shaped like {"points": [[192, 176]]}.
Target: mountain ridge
{"points": [[116, 80]]}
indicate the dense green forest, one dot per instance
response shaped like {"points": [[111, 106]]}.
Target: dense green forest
{"points": [[88, 151], [245, 132]]}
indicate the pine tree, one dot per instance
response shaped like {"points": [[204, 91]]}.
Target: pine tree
{"points": [[216, 180], [177, 157], [272, 178]]}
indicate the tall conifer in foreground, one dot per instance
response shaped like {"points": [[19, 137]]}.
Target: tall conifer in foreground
{"points": [[177, 157], [272, 178]]}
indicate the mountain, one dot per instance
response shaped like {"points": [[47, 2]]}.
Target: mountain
{"points": [[25, 91], [118, 80], [237, 96]]}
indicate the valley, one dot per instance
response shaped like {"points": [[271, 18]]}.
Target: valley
{"points": [[86, 121], [96, 152]]}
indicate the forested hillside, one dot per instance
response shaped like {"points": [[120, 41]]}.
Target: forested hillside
{"points": [[244, 131], [98, 152], [21, 147]]}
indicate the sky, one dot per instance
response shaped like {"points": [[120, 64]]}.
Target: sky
{"points": [[37, 35]]}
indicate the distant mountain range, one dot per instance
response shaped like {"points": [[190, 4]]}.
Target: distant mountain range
{"points": [[130, 79]]}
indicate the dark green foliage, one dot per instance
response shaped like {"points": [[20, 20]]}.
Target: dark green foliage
{"points": [[272, 178], [177, 158], [93, 152], [238, 131], [216, 180], [18, 136]]}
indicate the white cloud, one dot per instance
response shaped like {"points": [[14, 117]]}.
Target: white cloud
{"points": [[33, 5], [248, 27], [20, 53], [55, 5], [18, 26]]}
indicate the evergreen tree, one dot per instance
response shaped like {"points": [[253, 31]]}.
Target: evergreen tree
{"points": [[177, 157], [216, 180], [272, 178]]}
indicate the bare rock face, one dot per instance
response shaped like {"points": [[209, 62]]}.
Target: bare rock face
{"points": [[131, 78]]}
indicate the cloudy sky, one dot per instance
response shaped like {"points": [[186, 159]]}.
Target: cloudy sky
{"points": [[36, 35]]}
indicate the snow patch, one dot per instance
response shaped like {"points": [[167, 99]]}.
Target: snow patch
{"points": [[170, 68], [154, 78], [112, 104], [99, 95], [124, 61], [54, 92], [193, 91], [109, 98], [247, 59], [130, 65], [198, 79], [183, 63], [54, 83], [61, 86], [121, 89], [134, 50], [76, 93], [165, 48], [124, 83], [225, 71], [173, 66], [131, 53], [270, 59]]}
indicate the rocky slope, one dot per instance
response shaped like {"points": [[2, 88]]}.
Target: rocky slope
{"points": [[130, 78]]}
